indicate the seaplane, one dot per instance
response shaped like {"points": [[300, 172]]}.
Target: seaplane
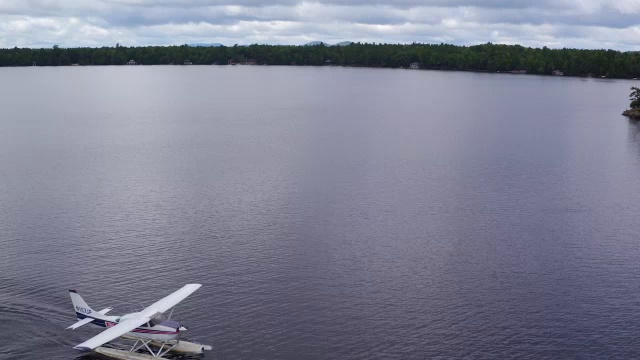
{"points": [[149, 328]]}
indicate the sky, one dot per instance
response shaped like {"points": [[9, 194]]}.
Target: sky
{"points": [[592, 24]]}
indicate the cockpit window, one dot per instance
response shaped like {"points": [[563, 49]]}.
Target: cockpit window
{"points": [[157, 319]]}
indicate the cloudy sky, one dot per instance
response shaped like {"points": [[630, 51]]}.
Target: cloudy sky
{"points": [[554, 23]]}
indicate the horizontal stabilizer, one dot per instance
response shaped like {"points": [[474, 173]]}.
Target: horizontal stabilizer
{"points": [[104, 311], [84, 321]]}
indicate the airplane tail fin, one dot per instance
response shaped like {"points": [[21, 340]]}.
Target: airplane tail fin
{"points": [[79, 305]]}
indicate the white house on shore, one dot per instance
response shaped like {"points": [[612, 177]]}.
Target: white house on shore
{"points": [[414, 65], [557, 73], [132, 62]]}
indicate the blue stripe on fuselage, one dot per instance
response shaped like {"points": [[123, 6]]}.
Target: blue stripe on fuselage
{"points": [[95, 321]]}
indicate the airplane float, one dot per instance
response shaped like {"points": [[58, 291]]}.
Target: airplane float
{"points": [[148, 328]]}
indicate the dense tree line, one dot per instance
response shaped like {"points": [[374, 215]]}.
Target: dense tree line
{"points": [[486, 57], [634, 97]]}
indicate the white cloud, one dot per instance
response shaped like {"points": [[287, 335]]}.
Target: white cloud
{"points": [[558, 23]]}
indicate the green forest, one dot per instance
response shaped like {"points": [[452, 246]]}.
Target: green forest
{"points": [[487, 57]]}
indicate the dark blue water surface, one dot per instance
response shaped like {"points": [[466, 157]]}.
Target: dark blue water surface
{"points": [[330, 213]]}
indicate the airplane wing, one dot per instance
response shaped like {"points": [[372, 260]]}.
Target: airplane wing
{"points": [[111, 333], [170, 301]]}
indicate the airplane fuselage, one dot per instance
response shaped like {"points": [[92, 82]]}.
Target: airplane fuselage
{"points": [[165, 331]]}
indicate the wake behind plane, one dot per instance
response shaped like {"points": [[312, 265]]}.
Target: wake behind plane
{"points": [[148, 328]]}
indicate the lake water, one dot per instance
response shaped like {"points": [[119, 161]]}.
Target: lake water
{"points": [[330, 213]]}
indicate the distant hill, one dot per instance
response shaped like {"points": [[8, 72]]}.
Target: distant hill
{"points": [[314, 43], [205, 45]]}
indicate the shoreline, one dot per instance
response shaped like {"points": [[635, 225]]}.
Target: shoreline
{"points": [[633, 114], [488, 57]]}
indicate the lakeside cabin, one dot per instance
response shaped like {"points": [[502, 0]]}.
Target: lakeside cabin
{"points": [[132, 62], [557, 73], [414, 65], [188, 62]]}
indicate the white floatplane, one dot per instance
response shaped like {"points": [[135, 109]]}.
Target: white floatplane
{"points": [[148, 328]]}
